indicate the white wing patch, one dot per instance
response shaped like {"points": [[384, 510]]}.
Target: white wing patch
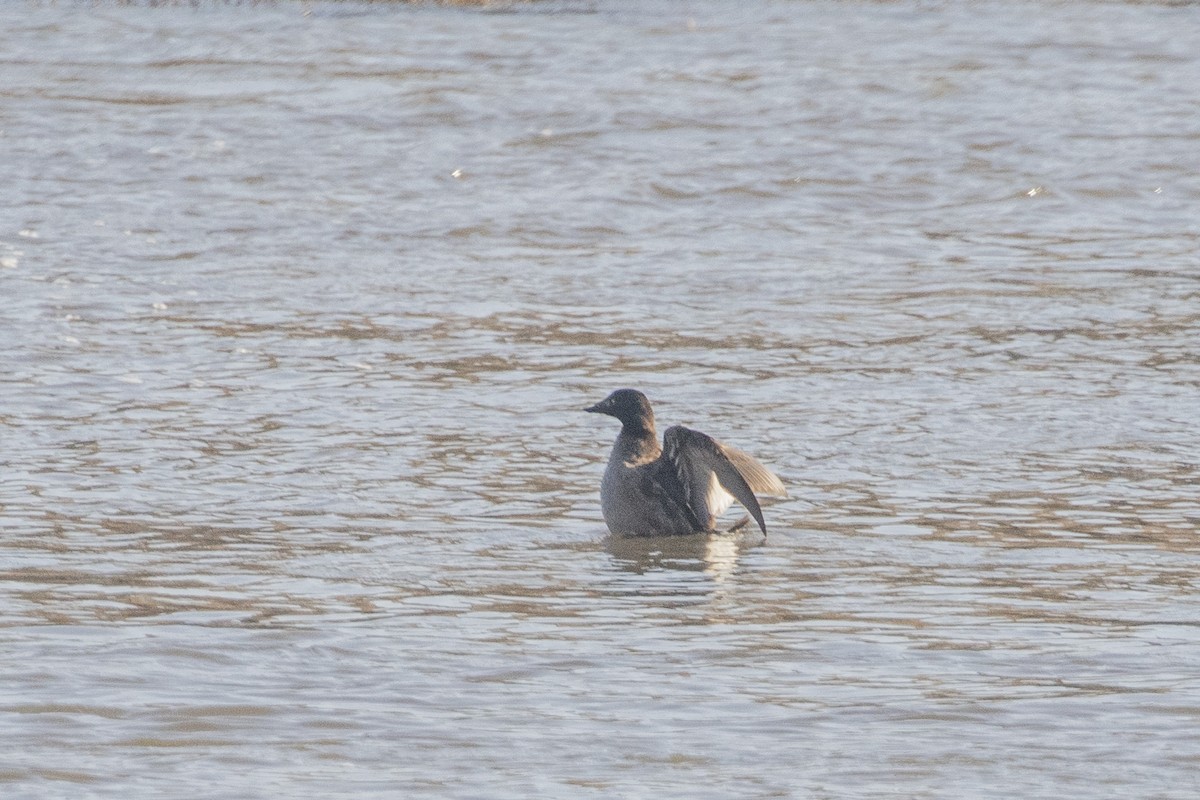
{"points": [[716, 498]]}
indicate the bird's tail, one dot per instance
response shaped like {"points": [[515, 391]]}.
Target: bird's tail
{"points": [[741, 523]]}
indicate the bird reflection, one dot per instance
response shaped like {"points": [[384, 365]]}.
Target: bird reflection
{"points": [[716, 555]]}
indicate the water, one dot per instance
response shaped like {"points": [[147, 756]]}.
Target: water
{"points": [[302, 303]]}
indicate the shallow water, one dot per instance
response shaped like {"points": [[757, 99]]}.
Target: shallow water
{"points": [[302, 303]]}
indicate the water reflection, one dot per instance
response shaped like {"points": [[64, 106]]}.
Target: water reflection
{"points": [[714, 555]]}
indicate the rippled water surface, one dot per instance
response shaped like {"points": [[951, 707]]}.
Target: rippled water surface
{"points": [[301, 303]]}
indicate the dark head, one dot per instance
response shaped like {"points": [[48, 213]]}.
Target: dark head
{"points": [[631, 407]]}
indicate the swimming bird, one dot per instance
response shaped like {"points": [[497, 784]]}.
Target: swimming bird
{"points": [[679, 487]]}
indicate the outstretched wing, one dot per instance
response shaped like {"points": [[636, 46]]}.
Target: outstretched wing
{"points": [[761, 480], [712, 475]]}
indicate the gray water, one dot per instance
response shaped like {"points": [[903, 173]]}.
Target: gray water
{"points": [[302, 302]]}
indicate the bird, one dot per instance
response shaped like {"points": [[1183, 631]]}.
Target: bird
{"points": [[680, 487]]}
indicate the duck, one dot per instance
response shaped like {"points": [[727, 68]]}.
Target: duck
{"points": [[680, 487]]}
